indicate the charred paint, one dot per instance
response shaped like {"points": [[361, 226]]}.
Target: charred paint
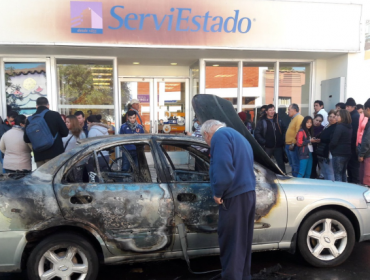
{"points": [[130, 218]]}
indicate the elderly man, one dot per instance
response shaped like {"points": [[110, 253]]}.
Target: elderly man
{"points": [[290, 137], [233, 184]]}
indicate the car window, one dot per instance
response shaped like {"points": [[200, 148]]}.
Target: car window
{"points": [[116, 164], [187, 163]]}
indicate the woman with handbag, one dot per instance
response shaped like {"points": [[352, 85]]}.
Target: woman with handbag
{"points": [[322, 150], [75, 133]]}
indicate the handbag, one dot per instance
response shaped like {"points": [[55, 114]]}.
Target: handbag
{"points": [[322, 150]]}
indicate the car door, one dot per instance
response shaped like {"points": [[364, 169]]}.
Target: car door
{"points": [[131, 210], [194, 204]]}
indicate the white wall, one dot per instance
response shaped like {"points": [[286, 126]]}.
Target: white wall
{"points": [[152, 71]]}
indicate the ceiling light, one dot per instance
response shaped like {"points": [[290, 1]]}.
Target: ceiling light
{"points": [[136, 63], [174, 63], [215, 65]]}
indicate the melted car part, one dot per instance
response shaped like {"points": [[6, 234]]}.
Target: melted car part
{"points": [[16, 175], [208, 106], [184, 247]]}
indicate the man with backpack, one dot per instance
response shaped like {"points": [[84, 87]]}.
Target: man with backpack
{"points": [[45, 130], [270, 134]]}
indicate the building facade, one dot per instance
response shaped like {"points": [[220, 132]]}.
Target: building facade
{"points": [[96, 56]]}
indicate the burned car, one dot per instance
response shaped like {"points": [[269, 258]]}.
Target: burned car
{"points": [[80, 209]]}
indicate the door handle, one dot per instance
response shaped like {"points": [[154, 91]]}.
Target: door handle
{"points": [[81, 198], [186, 197]]}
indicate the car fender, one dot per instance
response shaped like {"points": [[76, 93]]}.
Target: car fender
{"points": [[56, 224], [294, 221]]}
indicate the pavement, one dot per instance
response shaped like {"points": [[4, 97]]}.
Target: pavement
{"points": [[357, 267]]}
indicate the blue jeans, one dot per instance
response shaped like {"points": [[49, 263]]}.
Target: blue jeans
{"points": [[340, 168], [305, 167], [293, 159], [326, 167], [126, 165]]}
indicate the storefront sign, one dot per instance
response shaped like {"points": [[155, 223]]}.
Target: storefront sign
{"points": [[233, 24]]}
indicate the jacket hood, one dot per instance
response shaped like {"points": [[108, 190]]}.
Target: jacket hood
{"points": [[347, 125], [98, 126]]}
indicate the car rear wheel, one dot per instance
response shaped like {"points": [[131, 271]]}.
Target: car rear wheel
{"points": [[63, 256], [326, 238]]}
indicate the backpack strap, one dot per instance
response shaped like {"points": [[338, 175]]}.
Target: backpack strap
{"points": [[42, 114]]}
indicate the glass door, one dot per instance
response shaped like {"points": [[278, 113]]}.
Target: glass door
{"points": [[172, 110], [164, 103], [141, 89]]}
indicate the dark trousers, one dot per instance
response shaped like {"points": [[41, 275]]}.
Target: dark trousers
{"points": [[235, 235], [340, 165], [278, 154], [314, 166], [353, 169]]}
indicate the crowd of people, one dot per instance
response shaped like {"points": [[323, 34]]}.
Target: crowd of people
{"points": [[48, 134], [332, 145]]}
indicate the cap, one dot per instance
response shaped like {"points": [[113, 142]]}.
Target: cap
{"points": [[133, 101], [350, 102]]}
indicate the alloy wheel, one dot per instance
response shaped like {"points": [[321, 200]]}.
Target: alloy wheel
{"points": [[66, 263], [327, 239]]}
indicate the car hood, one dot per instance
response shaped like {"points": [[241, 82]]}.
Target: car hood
{"points": [[315, 190], [208, 106]]}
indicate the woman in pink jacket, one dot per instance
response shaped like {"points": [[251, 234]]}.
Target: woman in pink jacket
{"points": [[361, 128]]}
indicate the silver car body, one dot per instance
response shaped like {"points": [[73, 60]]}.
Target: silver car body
{"points": [[31, 207]]}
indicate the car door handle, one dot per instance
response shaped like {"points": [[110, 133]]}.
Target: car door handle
{"points": [[186, 197], [81, 198]]}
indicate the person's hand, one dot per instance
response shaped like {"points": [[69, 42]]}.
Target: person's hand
{"points": [[318, 140], [360, 159], [218, 200], [188, 133]]}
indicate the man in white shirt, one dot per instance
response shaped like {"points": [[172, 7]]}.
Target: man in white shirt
{"points": [[319, 109]]}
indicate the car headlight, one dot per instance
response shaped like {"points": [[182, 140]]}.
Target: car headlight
{"points": [[367, 196]]}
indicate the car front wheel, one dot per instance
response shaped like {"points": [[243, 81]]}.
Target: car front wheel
{"points": [[326, 238], [63, 256]]}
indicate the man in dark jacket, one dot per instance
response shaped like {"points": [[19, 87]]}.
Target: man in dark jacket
{"points": [[56, 125], [233, 184], [353, 167], [270, 134]]}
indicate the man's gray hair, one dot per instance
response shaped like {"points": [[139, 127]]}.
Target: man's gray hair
{"points": [[295, 107], [210, 126]]}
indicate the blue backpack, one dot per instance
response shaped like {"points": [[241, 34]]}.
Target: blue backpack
{"points": [[39, 133]]}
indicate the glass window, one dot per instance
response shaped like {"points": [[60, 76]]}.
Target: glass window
{"points": [[128, 166], [24, 83], [86, 86], [258, 87], [294, 86], [222, 80], [188, 163]]}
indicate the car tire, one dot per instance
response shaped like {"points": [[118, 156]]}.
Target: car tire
{"points": [[326, 238], [63, 255]]}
